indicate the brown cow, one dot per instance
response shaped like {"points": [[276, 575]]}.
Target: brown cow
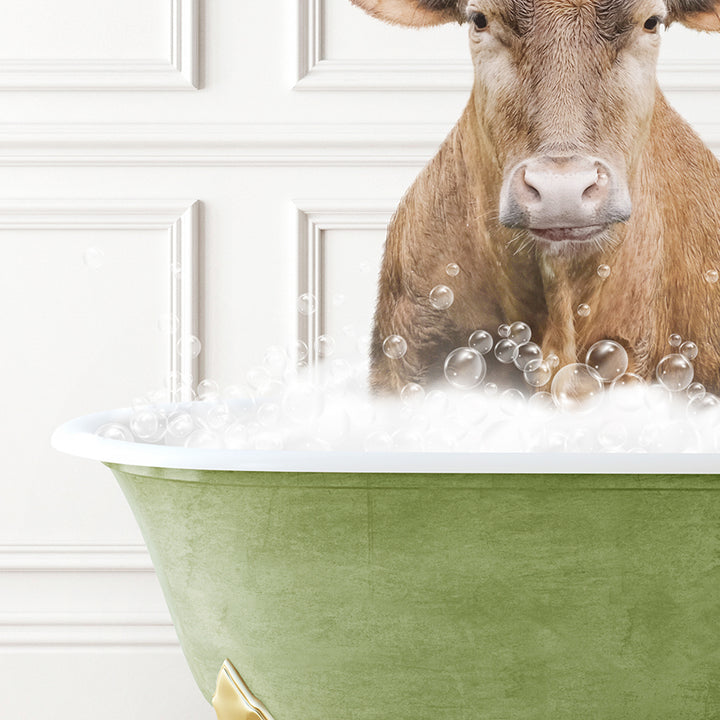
{"points": [[567, 156]]}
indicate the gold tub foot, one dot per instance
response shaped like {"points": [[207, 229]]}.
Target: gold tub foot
{"points": [[233, 699]]}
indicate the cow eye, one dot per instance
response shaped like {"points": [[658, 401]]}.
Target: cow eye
{"points": [[652, 24], [479, 20]]}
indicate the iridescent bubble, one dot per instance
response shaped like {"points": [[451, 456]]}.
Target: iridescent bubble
{"points": [[512, 401], [394, 347], [307, 304], [527, 352], [203, 439], [441, 297], [537, 373], [695, 390], [520, 333], [412, 395], [583, 310], [168, 324], [180, 425], [504, 330], [189, 346], [675, 340], [114, 431], [552, 360], [324, 346], [208, 390], [94, 258], [711, 276], [608, 359], [465, 368], [628, 391], [603, 271], [303, 403], [482, 341], [689, 349], [145, 424], [674, 372], [452, 269], [576, 387], [506, 351]]}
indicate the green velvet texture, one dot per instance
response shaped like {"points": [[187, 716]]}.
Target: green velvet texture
{"points": [[461, 597]]}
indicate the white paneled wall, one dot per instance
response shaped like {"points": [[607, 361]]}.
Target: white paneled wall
{"points": [[217, 159]]}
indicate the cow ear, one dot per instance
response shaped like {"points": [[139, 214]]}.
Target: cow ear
{"points": [[696, 14], [414, 13]]}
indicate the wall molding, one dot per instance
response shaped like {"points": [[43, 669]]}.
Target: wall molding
{"points": [[179, 71], [315, 72], [314, 217], [180, 222], [47, 558]]}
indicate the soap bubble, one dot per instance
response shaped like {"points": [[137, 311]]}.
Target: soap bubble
{"points": [[542, 403], [512, 401], [236, 436], [268, 414], [628, 391], [219, 417], [695, 390], [482, 341], [504, 330], [302, 403], [203, 439], [711, 276], [258, 378], [465, 368], [324, 346], [576, 387], [146, 424], [301, 351], [452, 269], [394, 346], [552, 360], [412, 395], [520, 333], [94, 258], [657, 397], [180, 425], [703, 404], [675, 372], [583, 310], [537, 373], [608, 359], [689, 349], [490, 389], [275, 360], [527, 352], [441, 297], [603, 271], [168, 324], [307, 304], [675, 340], [114, 431], [436, 402], [506, 351], [189, 346], [208, 390]]}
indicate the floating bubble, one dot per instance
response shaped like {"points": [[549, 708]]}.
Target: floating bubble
{"points": [[490, 389], [301, 351], [208, 389], [114, 431], [452, 269], [711, 276], [576, 387], [189, 346], [537, 373], [412, 395], [219, 417], [608, 359], [628, 391], [94, 258], [482, 341], [520, 333], [324, 346], [504, 330], [506, 351], [394, 347], [168, 324], [203, 439], [436, 402], [527, 352], [552, 360], [689, 349], [275, 360], [603, 271], [541, 403], [145, 424], [583, 310], [695, 390], [268, 414], [674, 372], [703, 404], [180, 425], [675, 340], [441, 297], [465, 368], [512, 401], [307, 304], [258, 378]]}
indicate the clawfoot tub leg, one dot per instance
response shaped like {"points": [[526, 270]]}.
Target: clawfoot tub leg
{"points": [[233, 699]]}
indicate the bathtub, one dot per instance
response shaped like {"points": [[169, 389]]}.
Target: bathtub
{"points": [[361, 586]]}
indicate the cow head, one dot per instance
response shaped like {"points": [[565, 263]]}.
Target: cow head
{"points": [[564, 93]]}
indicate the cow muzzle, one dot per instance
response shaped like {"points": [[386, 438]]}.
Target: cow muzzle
{"points": [[562, 199]]}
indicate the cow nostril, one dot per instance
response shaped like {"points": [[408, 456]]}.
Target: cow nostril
{"points": [[529, 188]]}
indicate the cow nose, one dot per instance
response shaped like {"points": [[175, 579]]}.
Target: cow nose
{"points": [[563, 192]]}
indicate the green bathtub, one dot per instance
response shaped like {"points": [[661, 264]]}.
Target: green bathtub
{"points": [[365, 595]]}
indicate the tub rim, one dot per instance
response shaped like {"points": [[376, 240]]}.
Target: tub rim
{"points": [[77, 437]]}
